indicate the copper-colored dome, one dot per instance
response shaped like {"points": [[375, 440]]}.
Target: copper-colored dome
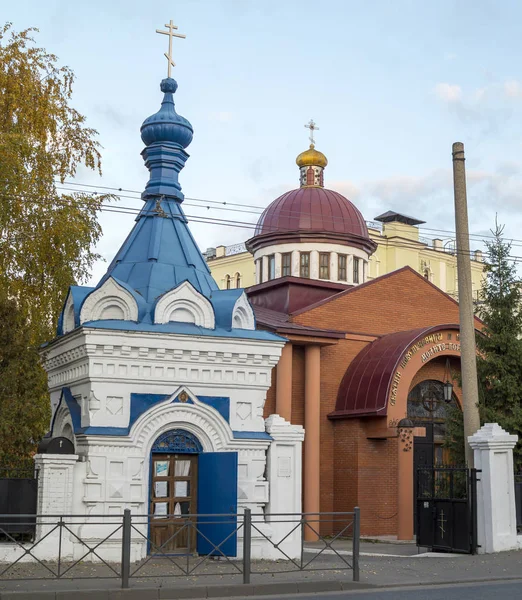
{"points": [[312, 209]]}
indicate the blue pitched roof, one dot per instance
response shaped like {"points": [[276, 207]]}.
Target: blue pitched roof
{"points": [[160, 253]]}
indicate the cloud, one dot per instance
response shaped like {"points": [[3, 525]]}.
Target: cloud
{"points": [[513, 89], [448, 92]]}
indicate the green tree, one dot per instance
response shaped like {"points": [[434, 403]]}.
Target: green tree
{"points": [[499, 360], [47, 237], [24, 401], [499, 350]]}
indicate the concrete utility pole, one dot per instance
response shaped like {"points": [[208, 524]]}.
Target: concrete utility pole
{"points": [[468, 357]]}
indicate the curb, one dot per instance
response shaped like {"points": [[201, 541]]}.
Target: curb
{"points": [[202, 591]]}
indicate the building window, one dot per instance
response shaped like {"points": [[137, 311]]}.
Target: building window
{"points": [[227, 282], [324, 265], [271, 267], [260, 269], [356, 269], [238, 280], [310, 176], [341, 273], [286, 264], [304, 264]]}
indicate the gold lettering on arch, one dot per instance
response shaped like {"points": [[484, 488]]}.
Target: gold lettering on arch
{"points": [[437, 345]]}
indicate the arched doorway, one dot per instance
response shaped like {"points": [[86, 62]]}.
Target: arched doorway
{"points": [[428, 409], [173, 491]]}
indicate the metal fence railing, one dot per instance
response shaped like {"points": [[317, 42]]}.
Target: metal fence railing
{"points": [[125, 547]]}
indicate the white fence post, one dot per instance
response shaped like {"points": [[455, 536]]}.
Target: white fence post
{"points": [[496, 515]]}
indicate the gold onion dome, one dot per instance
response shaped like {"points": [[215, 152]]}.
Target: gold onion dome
{"points": [[311, 158]]}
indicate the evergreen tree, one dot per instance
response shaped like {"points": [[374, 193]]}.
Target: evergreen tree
{"points": [[499, 360], [499, 350]]}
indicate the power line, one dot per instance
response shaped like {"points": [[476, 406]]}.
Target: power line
{"points": [[452, 234]]}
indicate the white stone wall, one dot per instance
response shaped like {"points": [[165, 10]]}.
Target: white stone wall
{"points": [[102, 368]]}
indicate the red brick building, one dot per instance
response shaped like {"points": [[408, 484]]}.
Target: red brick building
{"points": [[357, 361], [361, 355]]}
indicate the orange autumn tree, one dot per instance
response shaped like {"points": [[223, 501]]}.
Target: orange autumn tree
{"points": [[47, 238]]}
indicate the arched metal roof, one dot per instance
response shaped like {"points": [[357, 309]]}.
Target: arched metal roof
{"points": [[365, 387]]}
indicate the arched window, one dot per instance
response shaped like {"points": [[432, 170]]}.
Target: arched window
{"points": [[427, 408], [238, 280], [227, 282], [310, 176]]}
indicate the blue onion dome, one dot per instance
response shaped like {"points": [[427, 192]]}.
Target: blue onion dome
{"points": [[166, 125]]}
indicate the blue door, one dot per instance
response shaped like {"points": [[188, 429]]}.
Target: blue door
{"points": [[217, 495]]}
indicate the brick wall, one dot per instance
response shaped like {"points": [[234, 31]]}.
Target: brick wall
{"points": [[356, 470], [400, 301]]}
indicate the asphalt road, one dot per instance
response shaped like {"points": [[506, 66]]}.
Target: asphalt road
{"points": [[468, 591]]}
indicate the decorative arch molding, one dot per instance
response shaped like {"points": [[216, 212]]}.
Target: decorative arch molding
{"points": [[68, 315], [242, 314], [109, 301], [186, 305], [62, 422], [177, 440], [199, 419]]}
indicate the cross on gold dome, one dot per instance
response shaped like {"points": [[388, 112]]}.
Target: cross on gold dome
{"points": [[312, 127], [171, 34]]}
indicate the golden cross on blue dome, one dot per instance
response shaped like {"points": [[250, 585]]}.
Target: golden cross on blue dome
{"points": [[312, 127], [171, 34]]}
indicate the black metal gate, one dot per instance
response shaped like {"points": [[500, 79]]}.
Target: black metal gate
{"points": [[446, 509], [18, 496]]}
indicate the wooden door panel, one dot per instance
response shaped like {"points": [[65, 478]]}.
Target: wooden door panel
{"points": [[173, 495]]}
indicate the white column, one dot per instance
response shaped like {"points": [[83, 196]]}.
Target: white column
{"points": [[334, 266], [265, 268], [496, 515], [278, 266], [284, 465], [55, 497], [314, 264], [295, 270], [349, 269]]}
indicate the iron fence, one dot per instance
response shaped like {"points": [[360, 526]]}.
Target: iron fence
{"points": [[123, 547]]}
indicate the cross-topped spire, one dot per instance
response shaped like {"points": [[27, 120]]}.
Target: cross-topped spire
{"points": [[171, 27], [312, 127]]}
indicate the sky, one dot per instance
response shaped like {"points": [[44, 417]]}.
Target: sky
{"points": [[391, 86]]}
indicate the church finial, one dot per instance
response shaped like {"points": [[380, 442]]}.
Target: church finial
{"points": [[312, 127], [311, 162], [171, 34]]}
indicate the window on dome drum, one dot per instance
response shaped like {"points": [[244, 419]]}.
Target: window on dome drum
{"points": [[238, 280], [286, 264], [356, 269], [324, 265], [227, 282], [260, 269], [271, 266], [341, 271], [310, 176], [304, 264]]}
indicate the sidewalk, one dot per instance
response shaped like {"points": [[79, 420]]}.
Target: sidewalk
{"points": [[215, 578]]}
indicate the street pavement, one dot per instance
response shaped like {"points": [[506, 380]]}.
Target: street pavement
{"points": [[209, 577], [479, 591]]}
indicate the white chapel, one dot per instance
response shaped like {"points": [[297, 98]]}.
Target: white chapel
{"points": [[159, 380]]}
